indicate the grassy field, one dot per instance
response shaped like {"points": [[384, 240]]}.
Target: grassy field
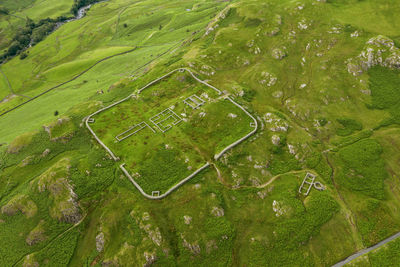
{"points": [[73, 48], [286, 62], [34, 9], [161, 159]]}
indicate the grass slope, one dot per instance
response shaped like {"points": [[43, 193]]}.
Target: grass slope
{"points": [[285, 61]]}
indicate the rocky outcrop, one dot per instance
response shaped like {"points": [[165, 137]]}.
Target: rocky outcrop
{"points": [[20, 142], [187, 219], [153, 233], [100, 242], [279, 53], [65, 202], [194, 248], [20, 203], [378, 50], [36, 235], [60, 130], [150, 258], [217, 211], [30, 261]]}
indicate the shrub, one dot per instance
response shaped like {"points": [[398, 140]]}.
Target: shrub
{"points": [[23, 56], [349, 126]]}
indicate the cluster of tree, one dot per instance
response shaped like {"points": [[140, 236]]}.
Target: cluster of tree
{"points": [[81, 3], [32, 33]]}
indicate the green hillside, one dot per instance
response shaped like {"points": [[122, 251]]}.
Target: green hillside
{"points": [[320, 77]]}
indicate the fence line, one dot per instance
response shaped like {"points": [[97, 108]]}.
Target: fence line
{"points": [[216, 157]]}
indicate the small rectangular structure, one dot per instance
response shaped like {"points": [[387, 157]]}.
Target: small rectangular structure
{"points": [[194, 101], [165, 120], [308, 181], [155, 193], [133, 130]]}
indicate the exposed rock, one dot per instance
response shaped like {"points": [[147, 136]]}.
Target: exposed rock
{"points": [[378, 50], [150, 258], [45, 153], [278, 53], [100, 242], [278, 19], [194, 248], [277, 124], [274, 31], [29, 261], [279, 208], [291, 149], [60, 130], [275, 139], [187, 219], [255, 181], [302, 25], [217, 211], [26, 161], [277, 94], [65, 202], [20, 203], [145, 216], [268, 79], [211, 245], [20, 142], [153, 233], [231, 115], [262, 194], [355, 34], [109, 263], [36, 235]]}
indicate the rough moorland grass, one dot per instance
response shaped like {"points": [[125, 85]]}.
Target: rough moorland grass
{"points": [[363, 168], [385, 93], [349, 126], [249, 233], [389, 255], [88, 174]]}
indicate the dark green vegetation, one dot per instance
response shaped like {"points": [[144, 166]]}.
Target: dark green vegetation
{"points": [[27, 32], [385, 92], [63, 201]]}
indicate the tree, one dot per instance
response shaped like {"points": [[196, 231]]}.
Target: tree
{"points": [[4, 10], [56, 113], [160, 28], [14, 49]]}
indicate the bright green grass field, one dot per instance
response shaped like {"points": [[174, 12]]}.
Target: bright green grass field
{"points": [[33, 9], [159, 160], [108, 29]]}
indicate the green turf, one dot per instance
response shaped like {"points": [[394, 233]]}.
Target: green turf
{"points": [[162, 159], [245, 209]]}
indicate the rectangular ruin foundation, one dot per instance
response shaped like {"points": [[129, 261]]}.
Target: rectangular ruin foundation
{"points": [[132, 131], [165, 120], [194, 101]]}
